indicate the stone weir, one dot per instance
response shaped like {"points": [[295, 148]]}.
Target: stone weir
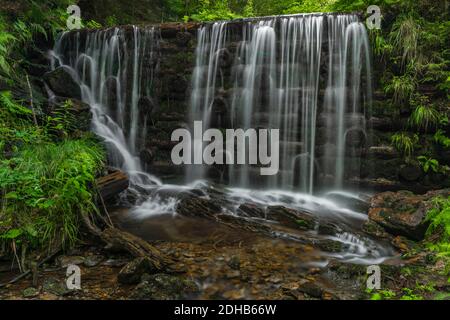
{"points": [[331, 143]]}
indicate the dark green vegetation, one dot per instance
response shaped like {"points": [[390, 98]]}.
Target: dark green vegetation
{"points": [[47, 165]]}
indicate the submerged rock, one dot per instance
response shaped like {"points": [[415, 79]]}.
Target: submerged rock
{"points": [[93, 260], [163, 287], [30, 292], [133, 271], [403, 213], [55, 286]]}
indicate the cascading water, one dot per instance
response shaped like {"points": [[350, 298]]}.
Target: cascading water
{"points": [[307, 75], [117, 86], [277, 84]]}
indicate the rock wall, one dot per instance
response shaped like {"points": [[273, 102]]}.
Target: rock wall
{"points": [[382, 168]]}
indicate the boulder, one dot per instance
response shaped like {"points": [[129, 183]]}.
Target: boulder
{"points": [[403, 213], [62, 81]]}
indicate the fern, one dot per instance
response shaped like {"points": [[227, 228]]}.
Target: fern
{"points": [[401, 88], [439, 218], [404, 142]]}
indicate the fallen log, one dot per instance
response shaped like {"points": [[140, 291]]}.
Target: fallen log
{"points": [[112, 184]]}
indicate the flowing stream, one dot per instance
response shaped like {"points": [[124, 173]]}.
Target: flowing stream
{"points": [[307, 75]]}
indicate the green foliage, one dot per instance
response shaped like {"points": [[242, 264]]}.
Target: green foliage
{"points": [[61, 122], [7, 40], [45, 188], [92, 24], [424, 116], [309, 6], [401, 88], [439, 218], [404, 37], [428, 164], [382, 295], [441, 138], [212, 10], [404, 142], [410, 295]]}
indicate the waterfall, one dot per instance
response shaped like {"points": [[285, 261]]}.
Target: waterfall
{"points": [[117, 86], [307, 75]]}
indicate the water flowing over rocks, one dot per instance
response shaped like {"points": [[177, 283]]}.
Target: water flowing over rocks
{"points": [[220, 239]]}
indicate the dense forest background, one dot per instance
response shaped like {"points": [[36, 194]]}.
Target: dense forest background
{"points": [[48, 165]]}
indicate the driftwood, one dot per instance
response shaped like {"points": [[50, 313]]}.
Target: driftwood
{"points": [[109, 186], [112, 184]]}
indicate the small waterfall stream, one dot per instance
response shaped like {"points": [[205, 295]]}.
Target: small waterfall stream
{"points": [[117, 86], [276, 84], [258, 73]]}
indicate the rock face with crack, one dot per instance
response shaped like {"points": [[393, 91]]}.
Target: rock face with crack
{"points": [[403, 213]]}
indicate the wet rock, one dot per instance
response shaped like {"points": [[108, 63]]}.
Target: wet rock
{"points": [[359, 203], [251, 210], [30, 292], [115, 262], [146, 155], [182, 38], [64, 261], [133, 271], [234, 263], [328, 228], [62, 82], [344, 271], [410, 173], [383, 152], [330, 245], [55, 286], [403, 213], [198, 207], [375, 230], [93, 260], [163, 287], [402, 244], [312, 289], [290, 217]]}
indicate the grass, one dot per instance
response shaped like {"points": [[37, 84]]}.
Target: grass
{"points": [[404, 142], [44, 190]]}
